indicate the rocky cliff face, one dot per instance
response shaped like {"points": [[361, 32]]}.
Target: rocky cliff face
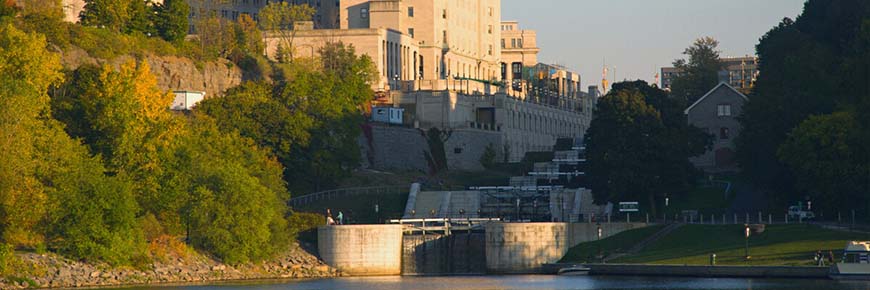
{"points": [[172, 73]]}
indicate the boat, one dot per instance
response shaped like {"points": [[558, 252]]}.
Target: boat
{"points": [[855, 264], [574, 271]]}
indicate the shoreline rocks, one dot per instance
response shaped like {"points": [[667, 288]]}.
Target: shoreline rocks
{"points": [[53, 271]]}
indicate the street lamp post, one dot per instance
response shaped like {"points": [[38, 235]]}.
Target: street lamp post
{"points": [[600, 254], [746, 251]]}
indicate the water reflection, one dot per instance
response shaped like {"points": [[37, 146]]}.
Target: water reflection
{"points": [[530, 282]]}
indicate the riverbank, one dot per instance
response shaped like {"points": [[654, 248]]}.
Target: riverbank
{"points": [[53, 271], [701, 271]]}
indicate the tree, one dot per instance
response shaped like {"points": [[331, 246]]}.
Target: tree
{"points": [[28, 71], [172, 23], [621, 148], [828, 159], [112, 14], [248, 36], [46, 177], [815, 65], [238, 198], [700, 73], [279, 18], [639, 144], [310, 119]]}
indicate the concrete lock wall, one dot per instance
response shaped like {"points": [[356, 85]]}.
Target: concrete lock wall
{"points": [[514, 248], [436, 254], [524, 247], [362, 250]]}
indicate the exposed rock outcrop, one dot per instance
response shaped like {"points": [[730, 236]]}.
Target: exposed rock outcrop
{"points": [[172, 73]]}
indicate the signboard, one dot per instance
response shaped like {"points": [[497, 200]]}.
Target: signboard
{"points": [[631, 206]]}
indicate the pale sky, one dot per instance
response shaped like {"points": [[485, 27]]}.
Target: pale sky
{"points": [[640, 36]]}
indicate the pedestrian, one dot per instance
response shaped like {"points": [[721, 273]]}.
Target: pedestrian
{"points": [[820, 260], [329, 220], [340, 218], [831, 257]]}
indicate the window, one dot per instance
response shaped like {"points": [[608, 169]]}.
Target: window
{"points": [[489, 11], [724, 134], [520, 42], [513, 42], [364, 13], [724, 110], [489, 29], [503, 70], [444, 36], [411, 32], [490, 49], [502, 43], [410, 11], [517, 70], [444, 13]]}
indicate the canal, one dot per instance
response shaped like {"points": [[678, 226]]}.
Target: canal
{"points": [[528, 282]]}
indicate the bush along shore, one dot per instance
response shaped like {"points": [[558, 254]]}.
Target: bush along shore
{"points": [[50, 270]]}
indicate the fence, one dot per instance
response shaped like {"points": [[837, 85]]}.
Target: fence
{"points": [[305, 200]]}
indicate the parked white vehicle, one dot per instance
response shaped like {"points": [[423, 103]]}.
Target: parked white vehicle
{"points": [[796, 212]]}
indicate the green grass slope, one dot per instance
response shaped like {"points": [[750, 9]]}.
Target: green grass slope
{"points": [[787, 245], [587, 252]]}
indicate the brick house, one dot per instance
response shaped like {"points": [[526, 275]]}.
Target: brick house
{"points": [[716, 113]]}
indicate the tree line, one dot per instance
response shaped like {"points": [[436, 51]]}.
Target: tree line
{"points": [[94, 165], [805, 133]]}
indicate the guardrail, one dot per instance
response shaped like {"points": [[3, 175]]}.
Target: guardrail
{"points": [[442, 225], [343, 192]]}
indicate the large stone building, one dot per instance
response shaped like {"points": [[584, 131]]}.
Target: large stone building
{"points": [[519, 49], [716, 113], [451, 64], [741, 73]]}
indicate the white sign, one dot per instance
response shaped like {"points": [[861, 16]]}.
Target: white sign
{"points": [[631, 206]]}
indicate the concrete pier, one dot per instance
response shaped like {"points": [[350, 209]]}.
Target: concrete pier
{"points": [[362, 250], [518, 248]]}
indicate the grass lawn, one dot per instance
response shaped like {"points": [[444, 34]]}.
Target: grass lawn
{"points": [[586, 252], [786, 245]]}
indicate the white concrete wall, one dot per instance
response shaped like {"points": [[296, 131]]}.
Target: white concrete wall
{"points": [[525, 247], [362, 250]]}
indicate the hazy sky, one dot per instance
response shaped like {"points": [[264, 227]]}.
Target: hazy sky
{"points": [[640, 36]]}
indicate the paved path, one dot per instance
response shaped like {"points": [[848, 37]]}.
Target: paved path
{"points": [[747, 199], [646, 242]]}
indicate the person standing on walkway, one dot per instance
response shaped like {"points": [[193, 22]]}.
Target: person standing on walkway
{"points": [[329, 220], [340, 218]]}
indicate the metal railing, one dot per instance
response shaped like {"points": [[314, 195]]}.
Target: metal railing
{"points": [[304, 200], [442, 225]]}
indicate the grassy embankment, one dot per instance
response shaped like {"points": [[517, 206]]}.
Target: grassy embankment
{"points": [[779, 245], [587, 252]]}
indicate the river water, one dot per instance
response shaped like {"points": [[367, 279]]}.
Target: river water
{"points": [[528, 282]]}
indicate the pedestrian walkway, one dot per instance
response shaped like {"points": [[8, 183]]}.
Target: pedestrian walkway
{"points": [[646, 242]]}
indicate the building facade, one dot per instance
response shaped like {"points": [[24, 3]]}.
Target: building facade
{"points": [[448, 64], [716, 114]]}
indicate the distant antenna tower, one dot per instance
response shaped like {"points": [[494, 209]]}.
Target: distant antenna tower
{"points": [[604, 83]]}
